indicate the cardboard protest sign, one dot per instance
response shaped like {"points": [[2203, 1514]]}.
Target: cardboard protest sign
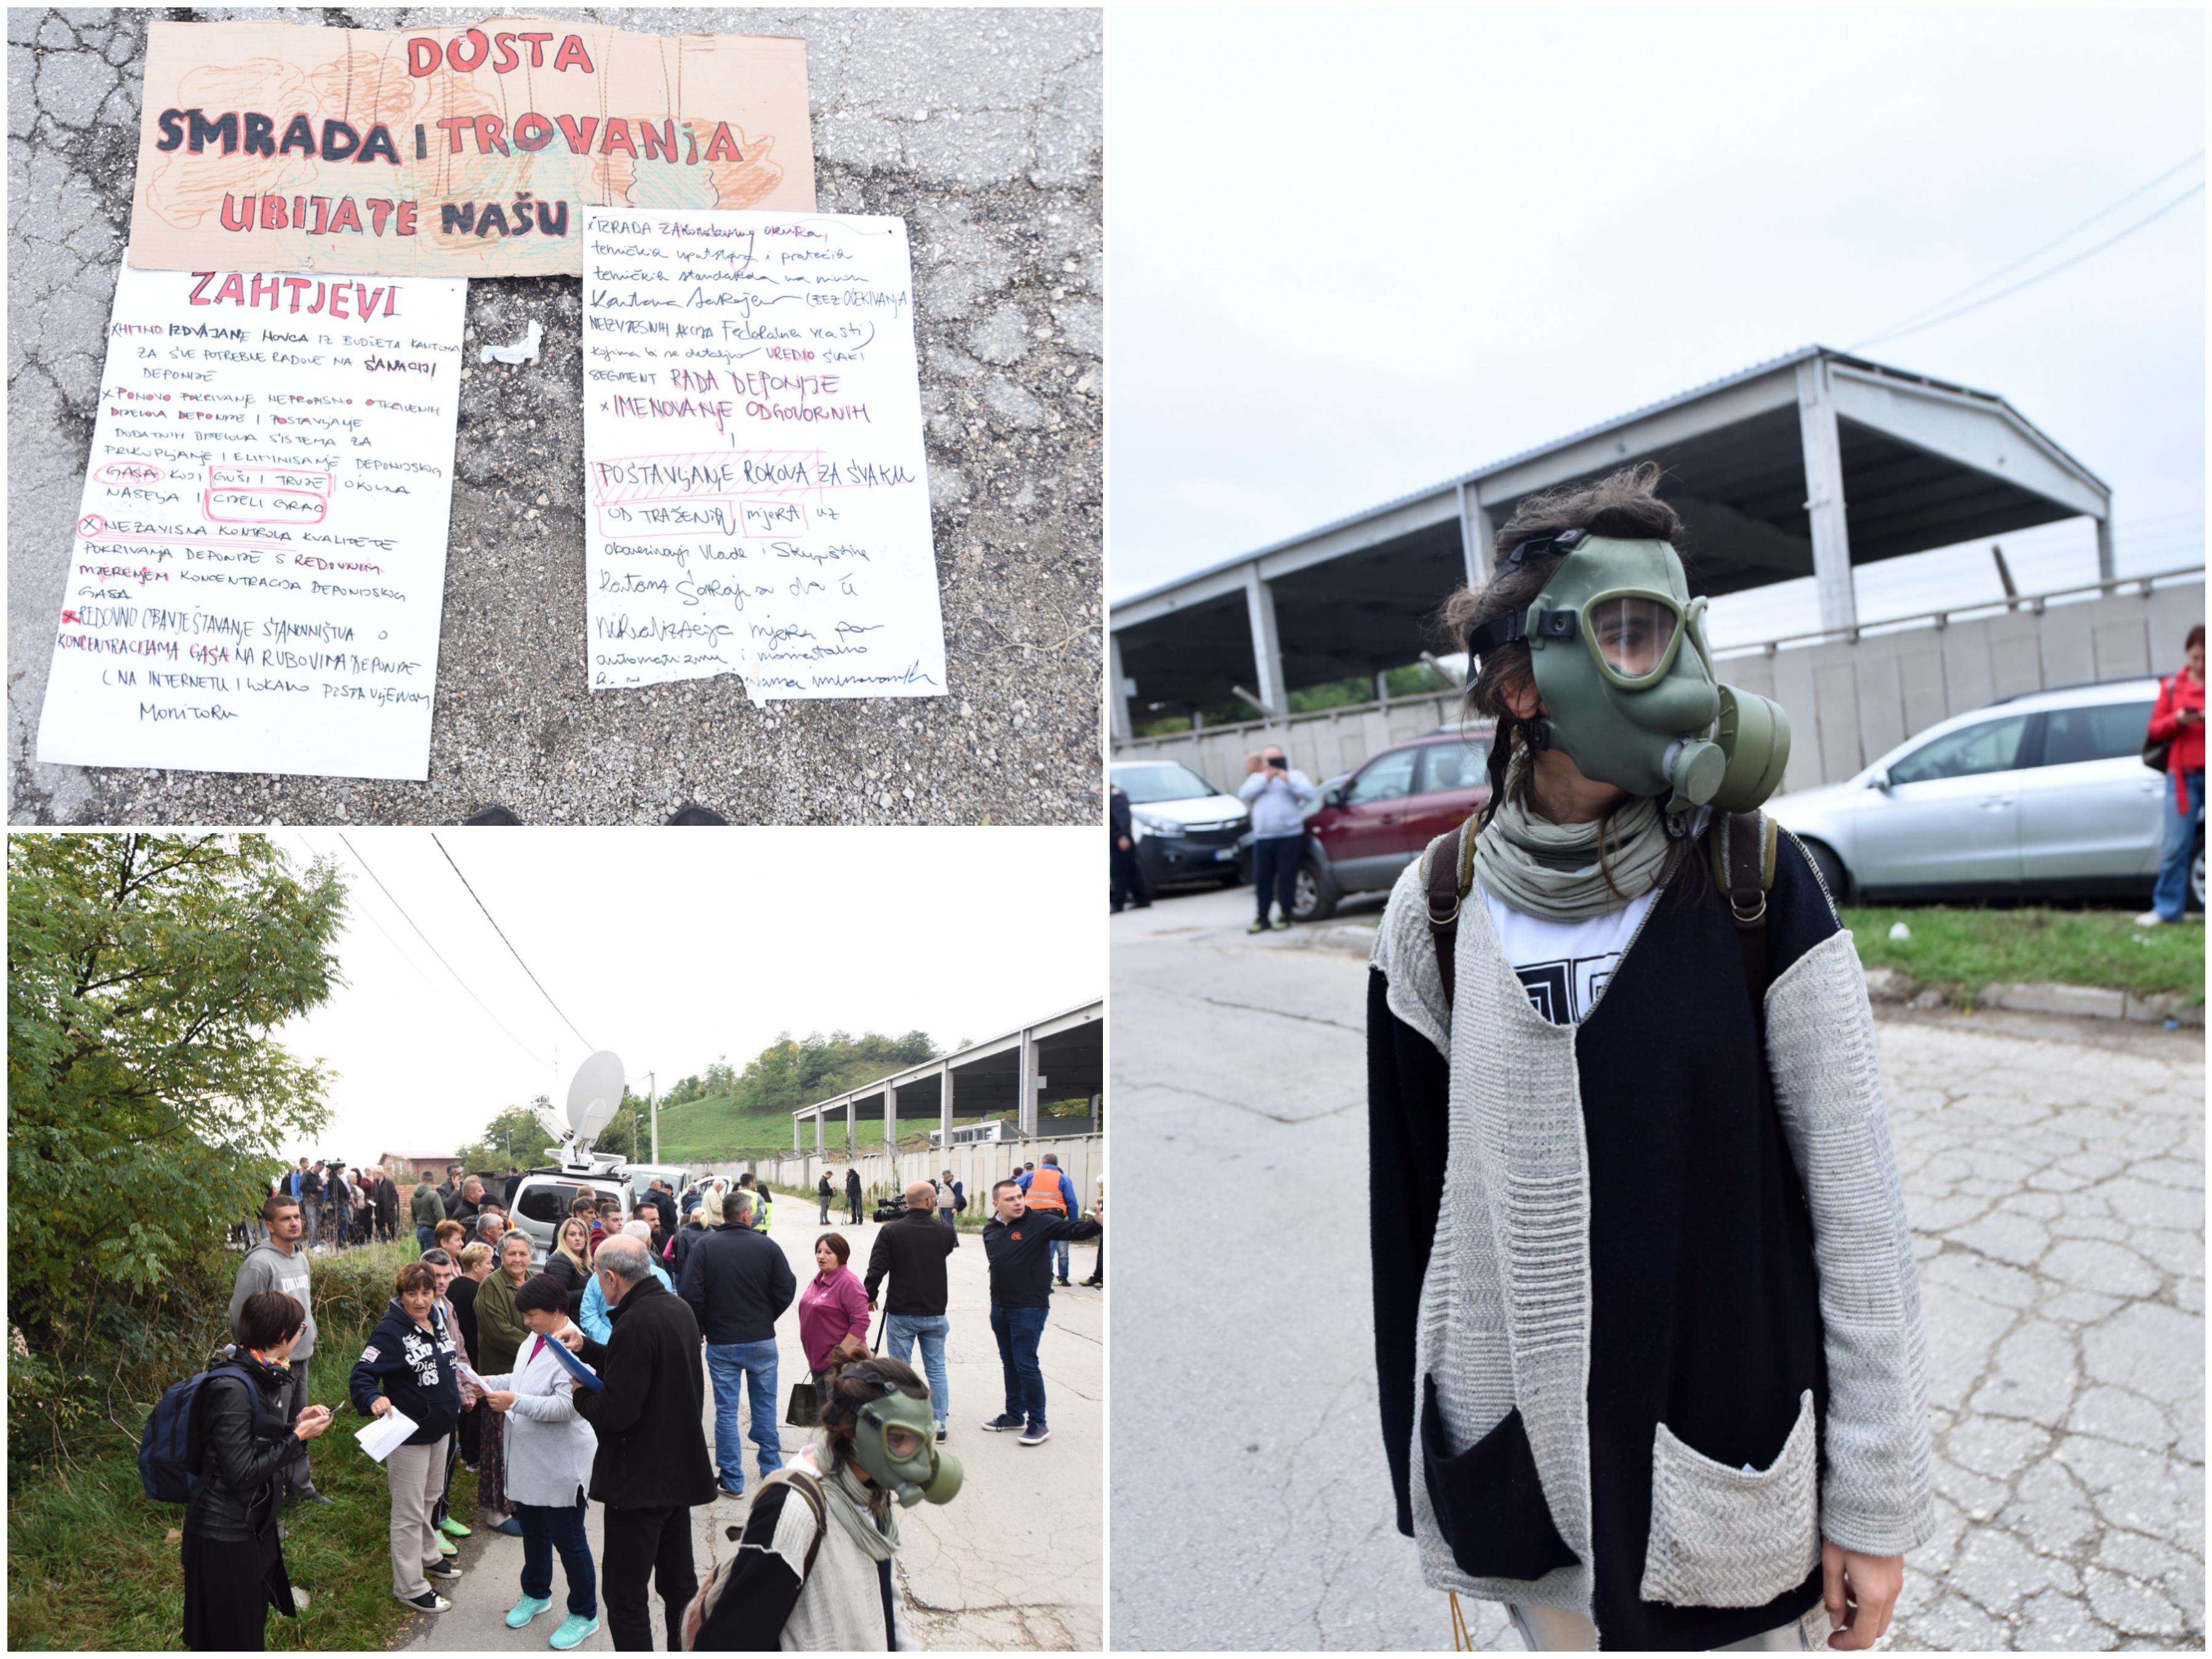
{"points": [[258, 566], [758, 496], [450, 152]]}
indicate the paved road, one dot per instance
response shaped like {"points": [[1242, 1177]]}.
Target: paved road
{"points": [[2054, 1175], [982, 128], [1014, 1562]]}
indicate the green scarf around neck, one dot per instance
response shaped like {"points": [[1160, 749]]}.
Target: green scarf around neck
{"points": [[1552, 870]]}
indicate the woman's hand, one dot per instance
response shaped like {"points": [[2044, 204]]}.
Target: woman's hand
{"points": [[1860, 1591], [380, 1407], [313, 1421], [500, 1399]]}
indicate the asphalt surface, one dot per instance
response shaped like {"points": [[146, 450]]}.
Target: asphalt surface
{"points": [[2054, 1176], [1014, 1562], [982, 128]]}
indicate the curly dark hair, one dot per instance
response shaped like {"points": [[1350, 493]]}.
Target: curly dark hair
{"points": [[857, 1381]]}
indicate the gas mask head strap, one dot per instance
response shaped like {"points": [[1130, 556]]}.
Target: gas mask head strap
{"points": [[1514, 625]]}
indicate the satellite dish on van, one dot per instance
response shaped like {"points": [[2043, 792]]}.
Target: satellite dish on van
{"points": [[594, 1095]]}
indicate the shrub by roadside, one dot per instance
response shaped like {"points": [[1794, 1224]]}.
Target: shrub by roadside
{"points": [[90, 1563]]}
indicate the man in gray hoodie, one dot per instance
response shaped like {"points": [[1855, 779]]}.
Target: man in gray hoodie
{"points": [[279, 1266], [1279, 800]]}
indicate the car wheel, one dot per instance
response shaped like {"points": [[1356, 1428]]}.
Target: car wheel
{"points": [[1313, 894], [1833, 877]]}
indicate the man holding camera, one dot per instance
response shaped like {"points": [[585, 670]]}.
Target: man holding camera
{"points": [[1279, 800]]}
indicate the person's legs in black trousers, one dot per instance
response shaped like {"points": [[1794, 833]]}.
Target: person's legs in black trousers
{"points": [[642, 1544], [1127, 879], [1274, 872]]}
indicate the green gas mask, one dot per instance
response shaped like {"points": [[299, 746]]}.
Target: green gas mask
{"points": [[895, 1441], [1618, 650]]}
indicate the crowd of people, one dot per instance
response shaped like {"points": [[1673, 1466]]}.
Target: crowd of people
{"points": [[645, 1314]]}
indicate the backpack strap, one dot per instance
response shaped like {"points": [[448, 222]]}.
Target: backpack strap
{"points": [[1745, 846], [810, 1489], [1451, 876]]}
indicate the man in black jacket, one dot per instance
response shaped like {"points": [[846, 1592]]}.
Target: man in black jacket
{"points": [[913, 1251], [662, 1199], [739, 1284], [651, 1467], [1017, 1243], [1126, 876], [852, 1194]]}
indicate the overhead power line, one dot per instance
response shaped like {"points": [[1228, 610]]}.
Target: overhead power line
{"points": [[2035, 253], [509, 943], [434, 952], [1912, 327]]}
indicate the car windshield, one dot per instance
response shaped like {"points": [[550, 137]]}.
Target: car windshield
{"points": [[1160, 781]]}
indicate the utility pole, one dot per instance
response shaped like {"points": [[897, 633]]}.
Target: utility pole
{"points": [[653, 1094]]}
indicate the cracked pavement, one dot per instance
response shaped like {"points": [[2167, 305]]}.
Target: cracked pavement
{"points": [[2054, 1177], [1015, 1562], [982, 128]]}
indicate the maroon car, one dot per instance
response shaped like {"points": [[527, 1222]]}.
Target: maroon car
{"points": [[1377, 820]]}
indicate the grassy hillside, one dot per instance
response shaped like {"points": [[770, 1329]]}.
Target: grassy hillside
{"points": [[714, 1130]]}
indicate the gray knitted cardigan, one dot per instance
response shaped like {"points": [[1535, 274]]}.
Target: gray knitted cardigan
{"points": [[1504, 1306]]}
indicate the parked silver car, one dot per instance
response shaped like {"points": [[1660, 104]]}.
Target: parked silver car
{"points": [[2044, 793]]}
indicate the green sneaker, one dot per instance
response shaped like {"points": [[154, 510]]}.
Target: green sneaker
{"points": [[453, 1528], [575, 1629], [527, 1609], [1282, 924], [447, 1548], [1257, 927]]}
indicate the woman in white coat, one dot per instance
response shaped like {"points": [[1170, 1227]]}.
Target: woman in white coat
{"points": [[549, 1466]]}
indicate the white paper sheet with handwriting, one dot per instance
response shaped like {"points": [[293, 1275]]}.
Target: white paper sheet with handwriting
{"points": [[753, 455], [258, 562]]}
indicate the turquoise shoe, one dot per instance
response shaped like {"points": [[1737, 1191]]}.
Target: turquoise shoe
{"points": [[526, 1609], [447, 1548], [574, 1629], [452, 1528]]}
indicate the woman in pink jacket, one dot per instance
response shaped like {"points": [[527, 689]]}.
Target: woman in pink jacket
{"points": [[832, 1307]]}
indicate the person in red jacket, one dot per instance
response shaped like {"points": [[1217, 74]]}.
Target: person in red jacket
{"points": [[2178, 721]]}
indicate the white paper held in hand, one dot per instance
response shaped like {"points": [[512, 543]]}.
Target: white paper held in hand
{"points": [[387, 1434], [756, 493]]}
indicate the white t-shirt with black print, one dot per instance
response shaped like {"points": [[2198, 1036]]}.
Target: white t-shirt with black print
{"points": [[1564, 965]]}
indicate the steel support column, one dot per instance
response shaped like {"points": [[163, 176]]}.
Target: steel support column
{"points": [[1118, 689], [851, 1143], [890, 1131], [944, 1093], [2104, 551], [1824, 497], [1025, 1097], [1476, 534], [1266, 643]]}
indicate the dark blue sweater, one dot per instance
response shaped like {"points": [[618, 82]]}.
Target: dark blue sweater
{"points": [[414, 1368]]}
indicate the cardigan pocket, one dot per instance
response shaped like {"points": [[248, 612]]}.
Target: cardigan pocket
{"points": [[1488, 1499], [1724, 1537]]}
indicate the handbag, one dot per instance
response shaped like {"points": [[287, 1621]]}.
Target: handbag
{"points": [[804, 1409], [2156, 750]]}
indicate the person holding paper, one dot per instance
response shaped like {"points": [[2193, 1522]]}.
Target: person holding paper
{"points": [[651, 1467], [499, 1332], [408, 1366], [548, 1461], [248, 1434]]}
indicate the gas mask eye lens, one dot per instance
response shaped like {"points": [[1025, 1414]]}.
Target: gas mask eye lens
{"points": [[903, 1443], [1633, 634]]}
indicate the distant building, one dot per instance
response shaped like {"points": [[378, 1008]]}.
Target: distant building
{"points": [[404, 1167]]}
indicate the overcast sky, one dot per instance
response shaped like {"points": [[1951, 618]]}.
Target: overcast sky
{"points": [[672, 948], [1354, 254]]}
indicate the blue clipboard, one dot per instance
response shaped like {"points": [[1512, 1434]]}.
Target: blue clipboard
{"points": [[577, 1369]]}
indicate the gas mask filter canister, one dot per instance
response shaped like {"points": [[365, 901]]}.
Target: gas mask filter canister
{"points": [[1619, 652]]}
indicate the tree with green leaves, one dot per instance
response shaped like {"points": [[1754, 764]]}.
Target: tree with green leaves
{"points": [[148, 976], [514, 1136]]}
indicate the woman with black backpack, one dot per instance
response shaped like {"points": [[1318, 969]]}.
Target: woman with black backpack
{"points": [[233, 1559], [1647, 1324]]}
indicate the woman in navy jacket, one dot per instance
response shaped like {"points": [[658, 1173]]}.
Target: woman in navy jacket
{"points": [[408, 1366]]}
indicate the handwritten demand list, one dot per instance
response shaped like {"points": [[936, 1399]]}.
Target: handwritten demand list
{"points": [[258, 561], [752, 441]]}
